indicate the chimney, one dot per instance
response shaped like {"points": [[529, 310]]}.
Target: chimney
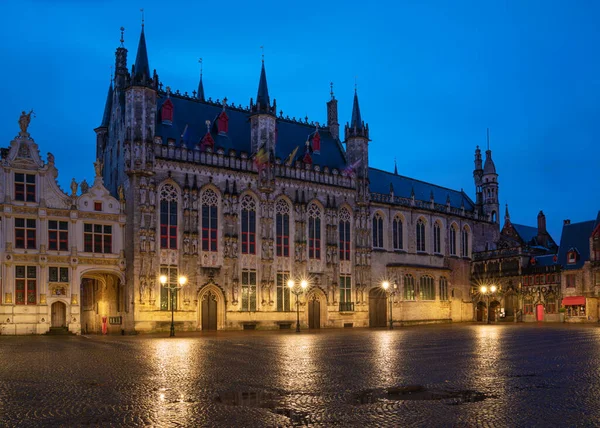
{"points": [[541, 223], [566, 222]]}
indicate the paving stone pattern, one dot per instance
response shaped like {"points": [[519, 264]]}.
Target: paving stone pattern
{"points": [[451, 375]]}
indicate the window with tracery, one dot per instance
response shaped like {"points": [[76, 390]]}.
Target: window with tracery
{"points": [[377, 231], [248, 205], [437, 238], [282, 228], [420, 235], [465, 242], [453, 240], [409, 287], [443, 288], [344, 229], [397, 226], [314, 232], [168, 217], [426, 288], [210, 220]]}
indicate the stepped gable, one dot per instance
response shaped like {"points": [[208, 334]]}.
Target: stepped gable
{"points": [[194, 113], [575, 236], [403, 187]]}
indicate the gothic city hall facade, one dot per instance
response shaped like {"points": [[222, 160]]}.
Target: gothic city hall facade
{"points": [[231, 213]]}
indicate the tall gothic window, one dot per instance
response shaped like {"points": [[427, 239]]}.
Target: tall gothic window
{"points": [[437, 241], [420, 235], [377, 231], [168, 291], [345, 293], [426, 288], [453, 240], [249, 290], [168, 217], [464, 244], [248, 225], [209, 220], [443, 288], [283, 292], [314, 232], [397, 233], [344, 228], [409, 287], [282, 229]]}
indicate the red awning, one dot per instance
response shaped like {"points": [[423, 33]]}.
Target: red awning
{"points": [[573, 300]]}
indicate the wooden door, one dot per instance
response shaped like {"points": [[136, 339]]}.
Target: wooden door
{"points": [[314, 313], [540, 312], [209, 312], [377, 308], [480, 311], [59, 314]]}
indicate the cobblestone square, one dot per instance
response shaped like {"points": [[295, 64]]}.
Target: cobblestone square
{"points": [[447, 375]]}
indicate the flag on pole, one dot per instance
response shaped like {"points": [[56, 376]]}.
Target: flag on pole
{"points": [[185, 135], [351, 169], [288, 161], [261, 159]]}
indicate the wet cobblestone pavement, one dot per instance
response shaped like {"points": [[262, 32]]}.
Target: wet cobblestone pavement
{"points": [[451, 375]]}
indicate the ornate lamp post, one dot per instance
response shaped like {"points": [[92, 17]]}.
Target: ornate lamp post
{"points": [[297, 291], [386, 285], [182, 281], [486, 292]]}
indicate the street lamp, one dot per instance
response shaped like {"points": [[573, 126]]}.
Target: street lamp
{"points": [[182, 280], [386, 285], [297, 291], [486, 292]]}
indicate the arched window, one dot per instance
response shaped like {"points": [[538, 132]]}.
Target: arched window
{"points": [[409, 287], [248, 225], [453, 240], [437, 240], [397, 233], [344, 227], [377, 231], [282, 228], [494, 216], [314, 232], [168, 217], [210, 220], [443, 288], [426, 289], [420, 235], [464, 244]]}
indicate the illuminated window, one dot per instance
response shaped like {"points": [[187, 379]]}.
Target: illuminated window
{"points": [[209, 202], [168, 217], [282, 228], [283, 292], [248, 290], [248, 225], [314, 232], [426, 288], [169, 289], [344, 228], [443, 288], [409, 287]]}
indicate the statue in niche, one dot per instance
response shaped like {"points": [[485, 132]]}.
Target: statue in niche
{"points": [[143, 242], [152, 195], [152, 243], [195, 245], [143, 194], [186, 200], [186, 245], [234, 291], [234, 248]]}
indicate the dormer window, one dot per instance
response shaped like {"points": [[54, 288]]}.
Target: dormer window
{"points": [[316, 143], [223, 123], [571, 257], [24, 187], [166, 112]]}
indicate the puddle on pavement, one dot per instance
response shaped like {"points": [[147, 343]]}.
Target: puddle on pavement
{"points": [[264, 400], [418, 393]]}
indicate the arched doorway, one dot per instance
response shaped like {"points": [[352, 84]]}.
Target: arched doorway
{"points": [[493, 312], [539, 312], [480, 312], [510, 303], [314, 312], [209, 311], [377, 308], [101, 302], [58, 314]]}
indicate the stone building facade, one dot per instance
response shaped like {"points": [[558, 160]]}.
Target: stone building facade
{"points": [[239, 200], [61, 259]]}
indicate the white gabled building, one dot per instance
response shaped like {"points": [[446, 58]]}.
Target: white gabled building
{"points": [[62, 259]]}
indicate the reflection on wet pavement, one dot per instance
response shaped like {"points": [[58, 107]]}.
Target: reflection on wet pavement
{"points": [[466, 375]]}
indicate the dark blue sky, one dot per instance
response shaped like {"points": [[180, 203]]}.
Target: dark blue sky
{"points": [[432, 76]]}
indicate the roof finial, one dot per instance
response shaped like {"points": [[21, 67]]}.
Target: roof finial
{"points": [[111, 74], [355, 83], [201, 67], [207, 126], [142, 10], [488, 138], [331, 90], [262, 48], [122, 39]]}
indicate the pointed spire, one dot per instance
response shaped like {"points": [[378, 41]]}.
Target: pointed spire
{"points": [[507, 215], [107, 106], [141, 60], [356, 121], [200, 94], [262, 97], [395, 167]]}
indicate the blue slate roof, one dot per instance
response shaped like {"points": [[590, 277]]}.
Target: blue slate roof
{"points": [[141, 60], [527, 233], [575, 236], [545, 260], [597, 223], [403, 187], [194, 113]]}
